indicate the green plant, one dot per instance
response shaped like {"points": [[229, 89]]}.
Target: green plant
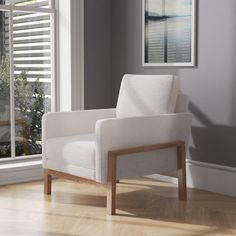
{"points": [[30, 104]]}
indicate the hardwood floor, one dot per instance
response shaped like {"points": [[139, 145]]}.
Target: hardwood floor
{"points": [[144, 207]]}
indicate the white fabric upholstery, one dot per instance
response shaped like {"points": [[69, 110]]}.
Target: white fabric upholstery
{"points": [[78, 142], [182, 103], [142, 164], [72, 151], [76, 150], [142, 95], [71, 169]]}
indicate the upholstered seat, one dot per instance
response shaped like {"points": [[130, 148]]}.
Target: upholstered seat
{"points": [[72, 154]]}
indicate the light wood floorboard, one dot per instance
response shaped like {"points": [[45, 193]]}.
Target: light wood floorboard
{"points": [[144, 207]]}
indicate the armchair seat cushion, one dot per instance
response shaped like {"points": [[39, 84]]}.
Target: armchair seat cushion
{"points": [[77, 151]]}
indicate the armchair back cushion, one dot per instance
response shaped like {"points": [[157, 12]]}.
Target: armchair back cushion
{"points": [[143, 95]]}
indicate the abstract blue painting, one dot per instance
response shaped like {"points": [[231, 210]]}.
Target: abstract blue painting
{"points": [[169, 32]]}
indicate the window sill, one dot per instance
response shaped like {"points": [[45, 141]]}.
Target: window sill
{"points": [[18, 172], [21, 159]]}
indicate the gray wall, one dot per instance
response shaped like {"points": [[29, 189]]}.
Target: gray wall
{"points": [[97, 38], [211, 85]]}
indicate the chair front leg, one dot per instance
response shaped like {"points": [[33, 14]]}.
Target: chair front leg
{"points": [[47, 182], [111, 184], [181, 172]]}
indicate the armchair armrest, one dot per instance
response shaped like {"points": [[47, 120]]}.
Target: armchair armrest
{"points": [[59, 124], [120, 133]]}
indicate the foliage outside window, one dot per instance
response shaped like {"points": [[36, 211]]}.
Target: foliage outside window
{"points": [[30, 102]]}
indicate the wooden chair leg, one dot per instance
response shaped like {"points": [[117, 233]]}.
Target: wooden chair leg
{"points": [[47, 183], [181, 172], [111, 185]]}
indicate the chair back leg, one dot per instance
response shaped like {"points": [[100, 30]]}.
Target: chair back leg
{"points": [[47, 183]]}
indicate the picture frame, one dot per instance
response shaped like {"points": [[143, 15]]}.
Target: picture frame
{"points": [[169, 33]]}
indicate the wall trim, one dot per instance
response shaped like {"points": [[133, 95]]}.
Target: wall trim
{"points": [[21, 172], [200, 175], [206, 176]]}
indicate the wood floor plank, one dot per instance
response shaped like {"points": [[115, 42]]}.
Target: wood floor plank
{"points": [[144, 207]]}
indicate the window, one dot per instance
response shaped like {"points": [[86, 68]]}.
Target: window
{"points": [[26, 74]]}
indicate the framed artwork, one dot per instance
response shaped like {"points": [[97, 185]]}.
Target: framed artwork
{"points": [[169, 31]]}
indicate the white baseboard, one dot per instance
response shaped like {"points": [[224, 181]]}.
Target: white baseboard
{"points": [[21, 172], [205, 176]]}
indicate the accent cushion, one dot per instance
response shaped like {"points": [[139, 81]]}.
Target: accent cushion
{"points": [[142, 95]]}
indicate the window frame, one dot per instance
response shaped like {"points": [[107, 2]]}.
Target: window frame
{"points": [[52, 11], [193, 62]]}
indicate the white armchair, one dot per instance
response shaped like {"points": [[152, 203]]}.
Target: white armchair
{"points": [[149, 129]]}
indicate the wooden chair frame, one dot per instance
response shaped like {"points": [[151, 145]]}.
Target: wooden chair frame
{"points": [[112, 167]]}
